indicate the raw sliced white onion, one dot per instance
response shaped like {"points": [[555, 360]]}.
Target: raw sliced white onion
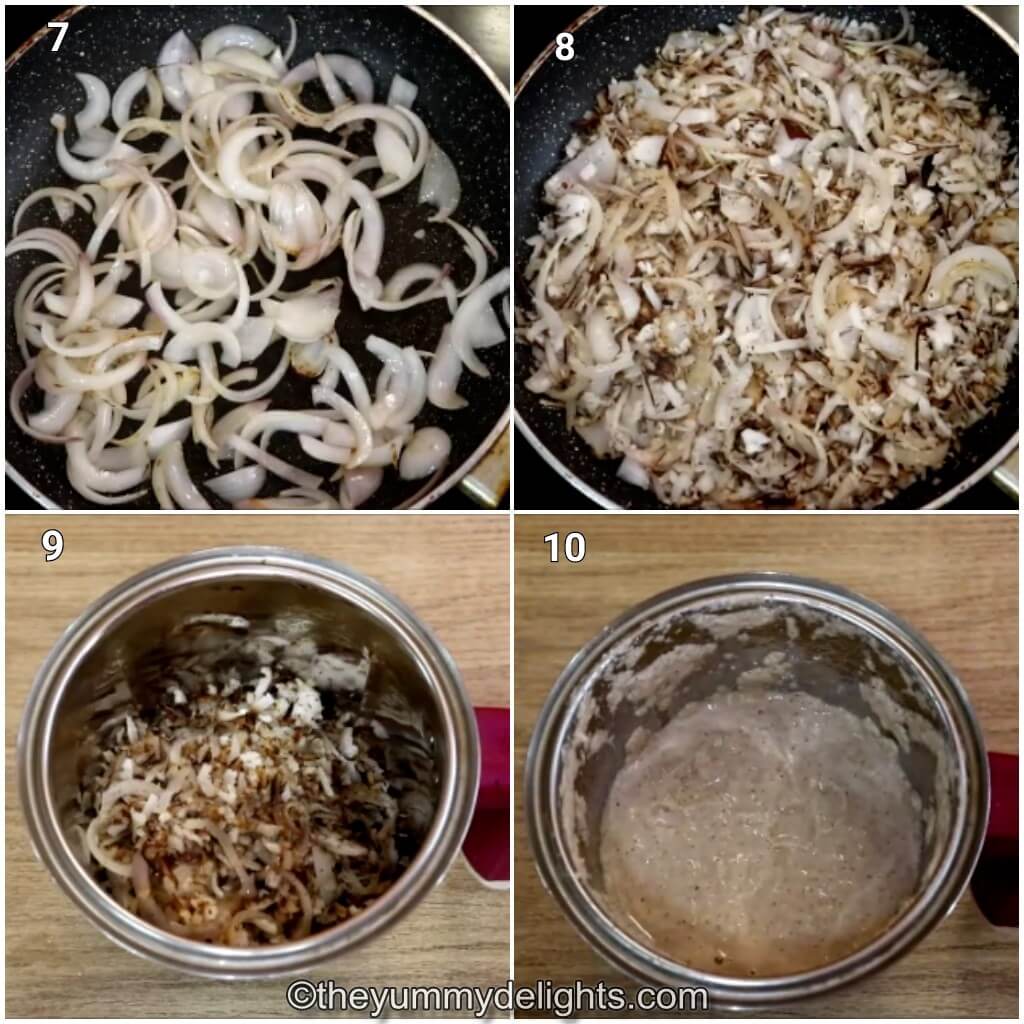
{"points": [[443, 374], [351, 71], [182, 490], [471, 314], [177, 52], [239, 484], [184, 346], [359, 485], [426, 452], [307, 318], [250, 190], [97, 103], [439, 184], [402, 92], [168, 433], [124, 96], [230, 36], [273, 464]]}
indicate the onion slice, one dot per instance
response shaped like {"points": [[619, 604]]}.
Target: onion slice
{"points": [[465, 328]]}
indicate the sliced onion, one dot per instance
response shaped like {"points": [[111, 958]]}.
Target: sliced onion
{"points": [[317, 449], [248, 191], [97, 103], [93, 143], [184, 346], [168, 433], [628, 296], [359, 485], [232, 423], [598, 163], [255, 336], [273, 464], [82, 380], [439, 185], [426, 452], [475, 251], [402, 92], [56, 243], [229, 164], [854, 109], [466, 323], [411, 274], [220, 215], [124, 97], [970, 261], [239, 484], [104, 481], [48, 432], [364, 255], [358, 422], [89, 170], [294, 498], [416, 395], [353, 378], [633, 473], [242, 36], [892, 346], [600, 338], [67, 196], [166, 264], [176, 477], [444, 373], [209, 273], [307, 318], [177, 52], [289, 420], [348, 69], [118, 310]]}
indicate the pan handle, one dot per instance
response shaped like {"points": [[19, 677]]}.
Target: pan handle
{"points": [[1007, 476], [995, 882], [487, 482]]}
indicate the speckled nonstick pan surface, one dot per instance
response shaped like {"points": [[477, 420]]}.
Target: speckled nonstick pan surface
{"points": [[462, 107], [609, 43]]}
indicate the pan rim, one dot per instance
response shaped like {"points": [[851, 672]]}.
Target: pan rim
{"points": [[459, 472], [978, 474]]}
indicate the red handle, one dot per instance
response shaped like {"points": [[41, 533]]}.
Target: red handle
{"points": [[996, 883], [488, 841]]}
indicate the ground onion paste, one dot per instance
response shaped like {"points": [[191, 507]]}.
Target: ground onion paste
{"points": [[761, 832]]}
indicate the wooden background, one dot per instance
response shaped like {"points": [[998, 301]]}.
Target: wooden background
{"points": [[953, 577], [452, 571]]}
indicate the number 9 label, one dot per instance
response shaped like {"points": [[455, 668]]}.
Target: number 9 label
{"points": [[53, 545]]}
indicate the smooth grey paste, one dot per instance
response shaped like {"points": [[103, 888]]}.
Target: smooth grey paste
{"points": [[761, 832]]}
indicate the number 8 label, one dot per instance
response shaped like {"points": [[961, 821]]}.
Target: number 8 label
{"points": [[563, 47]]}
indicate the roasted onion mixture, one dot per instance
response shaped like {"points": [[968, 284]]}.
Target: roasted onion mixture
{"points": [[253, 807], [208, 192], [780, 266]]}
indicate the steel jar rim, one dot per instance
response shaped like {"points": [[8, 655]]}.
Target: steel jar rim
{"points": [[553, 730], [457, 790]]}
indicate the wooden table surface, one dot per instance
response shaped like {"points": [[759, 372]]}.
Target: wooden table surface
{"points": [[953, 577], [453, 572]]}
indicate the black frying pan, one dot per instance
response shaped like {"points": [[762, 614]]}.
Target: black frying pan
{"points": [[609, 42], [464, 107]]}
